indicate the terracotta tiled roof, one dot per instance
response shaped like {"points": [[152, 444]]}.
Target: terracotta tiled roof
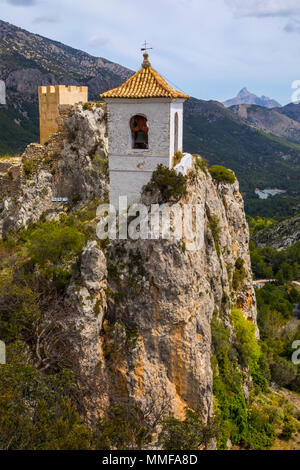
{"points": [[146, 83]]}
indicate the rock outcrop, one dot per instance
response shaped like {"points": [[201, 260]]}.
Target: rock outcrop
{"points": [[73, 165], [156, 339], [281, 235], [138, 311], [86, 299], [269, 120]]}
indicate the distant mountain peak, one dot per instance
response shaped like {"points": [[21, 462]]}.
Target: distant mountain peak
{"points": [[246, 97]]}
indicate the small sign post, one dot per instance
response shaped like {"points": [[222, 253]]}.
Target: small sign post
{"points": [[60, 199]]}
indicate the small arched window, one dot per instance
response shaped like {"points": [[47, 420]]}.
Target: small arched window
{"points": [[175, 133], [139, 132]]}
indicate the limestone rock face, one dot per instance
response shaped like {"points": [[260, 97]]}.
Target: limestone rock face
{"points": [[281, 235], [138, 312], [156, 338], [73, 165], [86, 299]]}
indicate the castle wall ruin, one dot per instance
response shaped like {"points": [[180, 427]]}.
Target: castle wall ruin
{"points": [[50, 97]]}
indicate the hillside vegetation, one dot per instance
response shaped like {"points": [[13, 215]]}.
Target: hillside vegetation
{"points": [[258, 159], [16, 132], [27, 61], [280, 235], [274, 121], [40, 399]]}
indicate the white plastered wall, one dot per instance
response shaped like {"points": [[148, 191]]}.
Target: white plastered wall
{"points": [[129, 168], [176, 107]]}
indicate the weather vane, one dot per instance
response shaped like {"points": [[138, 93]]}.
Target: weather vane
{"points": [[145, 47]]}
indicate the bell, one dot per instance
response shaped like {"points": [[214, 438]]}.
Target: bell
{"points": [[140, 137]]}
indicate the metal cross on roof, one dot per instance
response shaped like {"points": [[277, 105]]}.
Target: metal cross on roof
{"points": [[145, 47]]}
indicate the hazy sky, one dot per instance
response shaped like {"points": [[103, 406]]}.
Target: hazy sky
{"points": [[208, 48]]}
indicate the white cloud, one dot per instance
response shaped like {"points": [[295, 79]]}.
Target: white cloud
{"points": [[264, 8], [97, 41]]}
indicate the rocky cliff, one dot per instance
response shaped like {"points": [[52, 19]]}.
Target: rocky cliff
{"points": [[166, 296], [73, 165], [137, 312], [280, 235], [270, 120]]}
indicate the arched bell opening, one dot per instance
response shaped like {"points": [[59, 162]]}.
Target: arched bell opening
{"points": [[139, 132]]}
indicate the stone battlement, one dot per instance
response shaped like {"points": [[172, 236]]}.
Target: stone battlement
{"points": [[61, 90], [50, 97]]}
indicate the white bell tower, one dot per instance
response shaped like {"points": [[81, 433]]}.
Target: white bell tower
{"points": [[145, 129]]}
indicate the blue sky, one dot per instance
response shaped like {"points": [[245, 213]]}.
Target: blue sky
{"points": [[208, 48]]}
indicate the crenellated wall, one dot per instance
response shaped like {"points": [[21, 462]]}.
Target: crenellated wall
{"points": [[50, 97]]}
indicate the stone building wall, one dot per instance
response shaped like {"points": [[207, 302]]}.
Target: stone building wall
{"points": [[176, 107], [131, 168], [50, 97], [119, 134]]}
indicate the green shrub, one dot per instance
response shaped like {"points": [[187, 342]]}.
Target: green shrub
{"points": [[236, 422], [29, 166], [245, 343], [71, 135], [231, 407], [177, 157], [258, 223], [6, 156], [201, 164], [274, 298], [228, 393], [52, 241], [214, 224], [287, 431], [102, 162], [18, 308], [268, 263], [124, 427], [170, 184], [222, 174], [54, 248], [260, 433], [87, 106], [239, 274], [283, 371], [189, 434], [249, 350], [220, 335], [36, 412]]}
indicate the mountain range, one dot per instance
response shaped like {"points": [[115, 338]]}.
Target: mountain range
{"points": [[262, 145], [28, 60], [246, 97]]}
